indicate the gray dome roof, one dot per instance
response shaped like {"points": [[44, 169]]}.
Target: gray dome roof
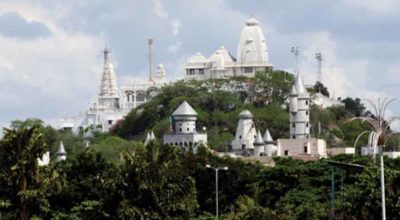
{"points": [[184, 109], [245, 114]]}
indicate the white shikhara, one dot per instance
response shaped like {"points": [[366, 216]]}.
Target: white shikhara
{"points": [[252, 56]]}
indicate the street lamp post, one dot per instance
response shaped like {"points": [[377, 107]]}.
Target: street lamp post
{"points": [[216, 169]]}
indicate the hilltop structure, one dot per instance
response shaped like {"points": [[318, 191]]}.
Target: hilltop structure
{"points": [[300, 144], [299, 108], [184, 132], [113, 102], [252, 56], [249, 141]]}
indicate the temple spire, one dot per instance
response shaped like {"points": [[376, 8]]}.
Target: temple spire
{"points": [[106, 52], [108, 86]]}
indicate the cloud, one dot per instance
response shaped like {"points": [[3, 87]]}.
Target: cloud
{"points": [[381, 7], [175, 24], [174, 48], [342, 78], [13, 25], [48, 77], [160, 11]]}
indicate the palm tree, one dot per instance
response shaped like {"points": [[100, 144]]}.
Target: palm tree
{"points": [[380, 133]]}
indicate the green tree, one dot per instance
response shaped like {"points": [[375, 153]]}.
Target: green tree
{"points": [[154, 185], [354, 106], [22, 184]]}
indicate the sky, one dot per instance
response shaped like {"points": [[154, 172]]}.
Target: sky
{"points": [[51, 51]]}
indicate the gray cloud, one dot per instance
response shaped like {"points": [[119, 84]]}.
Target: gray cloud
{"points": [[359, 40], [14, 25]]}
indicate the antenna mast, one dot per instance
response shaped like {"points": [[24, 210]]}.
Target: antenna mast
{"points": [[295, 51], [318, 56], [150, 42]]}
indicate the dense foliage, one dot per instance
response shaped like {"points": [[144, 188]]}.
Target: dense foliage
{"points": [[114, 176], [162, 182]]}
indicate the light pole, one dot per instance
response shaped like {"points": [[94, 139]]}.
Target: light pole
{"points": [[216, 185]]}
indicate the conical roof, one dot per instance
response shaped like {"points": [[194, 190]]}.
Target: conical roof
{"points": [[293, 92], [259, 140], [300, 88], [61, 150], [148, 138], [184, 109], [268, 137], [152, 136]]}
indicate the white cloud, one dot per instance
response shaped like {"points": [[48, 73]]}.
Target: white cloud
{"points": [[47, 77], [175, 24], [160, 11], [378, 7], [174, 47], [343, 78]]}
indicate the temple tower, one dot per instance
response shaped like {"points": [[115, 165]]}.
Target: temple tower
{"points": [[299, 107]]}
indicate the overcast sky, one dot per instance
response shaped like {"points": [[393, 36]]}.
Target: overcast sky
{"points": [[51, 60]]}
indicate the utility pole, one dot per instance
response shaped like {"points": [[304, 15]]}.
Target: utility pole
{"points": [[318, 56], [150, 42], [216, 169]]}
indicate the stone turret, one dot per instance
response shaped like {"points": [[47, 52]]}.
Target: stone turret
{"points": [[184, 119], [259, 145], [184, 133], [270, 148], [245, 132], [299, 107]]}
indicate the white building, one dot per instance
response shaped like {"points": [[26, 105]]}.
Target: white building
{"points": [[314, 148], [300, 144], [299, 108], [325, 102], [245, 134], [113, 103], [270, 148], [184, 132], [252, 56], [259, 145], [248, 141], [340, 150]]}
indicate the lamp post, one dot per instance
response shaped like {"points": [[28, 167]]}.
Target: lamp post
{"points": [[378, 136], [216, 169]]}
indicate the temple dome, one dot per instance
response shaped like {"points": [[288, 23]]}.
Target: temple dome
{"points": [[251, 22], [252, 48], [245, 114]]}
